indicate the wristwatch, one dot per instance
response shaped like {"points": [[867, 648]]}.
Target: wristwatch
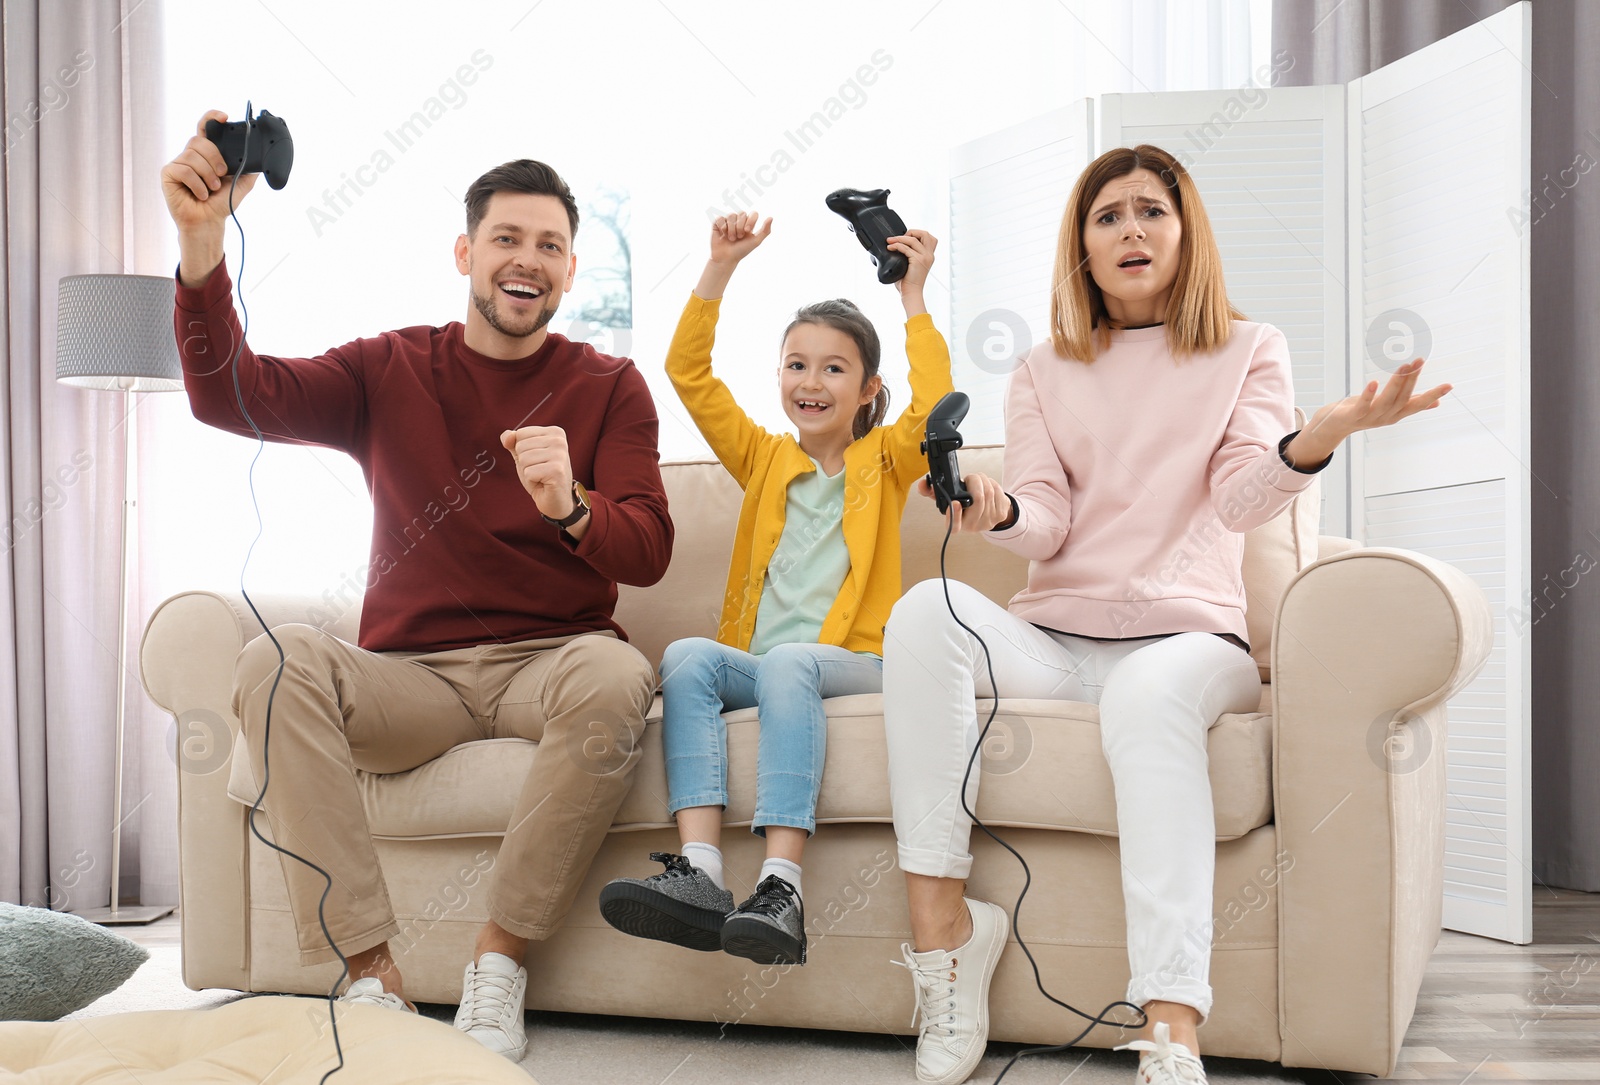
{"points": [[580, 508]]}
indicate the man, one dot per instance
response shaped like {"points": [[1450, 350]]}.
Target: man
{"points": [[515, 481]]}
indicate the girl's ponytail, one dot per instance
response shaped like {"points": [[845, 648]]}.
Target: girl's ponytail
{"points": [[871, 414]]}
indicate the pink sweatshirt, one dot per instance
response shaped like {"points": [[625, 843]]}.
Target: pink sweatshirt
{"points": [[1135, 477]]}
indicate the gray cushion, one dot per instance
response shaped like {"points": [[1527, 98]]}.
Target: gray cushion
{"points": [[52, 963]]}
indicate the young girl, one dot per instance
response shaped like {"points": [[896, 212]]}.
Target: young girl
{"points": [[1155, 415], [816, 566]]}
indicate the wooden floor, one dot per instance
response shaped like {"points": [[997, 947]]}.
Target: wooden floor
{"points": [[1488, 1011], [161, 934]]}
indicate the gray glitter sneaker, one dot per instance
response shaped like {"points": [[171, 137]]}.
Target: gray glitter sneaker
{"points": [[770, 927], [681, 905]]}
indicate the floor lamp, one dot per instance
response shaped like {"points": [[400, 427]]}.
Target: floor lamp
{"points": [[114, 332]]}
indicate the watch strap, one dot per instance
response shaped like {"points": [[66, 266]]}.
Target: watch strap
{"points": [[580, 508]]}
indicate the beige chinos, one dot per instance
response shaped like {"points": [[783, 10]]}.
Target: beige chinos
{"points": [[339, 708]]}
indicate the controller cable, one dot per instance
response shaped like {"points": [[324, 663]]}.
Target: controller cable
{"points": [[266, 731], [1027, 875]]}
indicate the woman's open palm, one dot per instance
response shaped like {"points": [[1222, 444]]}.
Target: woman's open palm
{"points": [[1373, 407]]}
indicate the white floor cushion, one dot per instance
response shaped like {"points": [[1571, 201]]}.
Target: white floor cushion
{"points": [[279, 1038]]}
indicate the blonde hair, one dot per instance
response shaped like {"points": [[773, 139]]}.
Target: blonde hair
{"points": [[1199, 317]]}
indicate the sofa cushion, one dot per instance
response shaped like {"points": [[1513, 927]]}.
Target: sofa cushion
{"points": [[449, 798], [1043, 768], [686, 602]]}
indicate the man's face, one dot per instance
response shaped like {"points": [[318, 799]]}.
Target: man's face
{"points": [[520, 261]]}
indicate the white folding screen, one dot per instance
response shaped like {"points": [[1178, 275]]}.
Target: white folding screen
{"points": [[1371, 223], [1007, 192], [1440, 142], [1270, 166]]}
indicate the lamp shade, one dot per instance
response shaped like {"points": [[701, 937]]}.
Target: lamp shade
{"points": [[115, 332]]}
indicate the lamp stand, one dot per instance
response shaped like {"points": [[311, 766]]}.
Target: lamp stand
{"points": [[115, 915]]}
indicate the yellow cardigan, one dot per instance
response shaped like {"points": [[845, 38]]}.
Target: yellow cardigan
{"points": [[880, 470]]}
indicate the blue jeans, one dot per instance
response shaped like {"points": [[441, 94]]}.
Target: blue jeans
{"points": [[701, 679]]}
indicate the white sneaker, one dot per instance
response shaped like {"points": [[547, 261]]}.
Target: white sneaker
{"points": [[370, 992], [1163, 1062], [953, 997], [492, 996]]}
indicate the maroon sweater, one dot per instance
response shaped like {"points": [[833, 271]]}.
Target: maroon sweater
{"points": [[460, 555]]}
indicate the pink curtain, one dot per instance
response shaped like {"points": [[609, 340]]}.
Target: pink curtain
{"points": [[84, 146]]}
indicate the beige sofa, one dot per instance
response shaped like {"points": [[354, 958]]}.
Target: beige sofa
{"points": [[1329, 854]]}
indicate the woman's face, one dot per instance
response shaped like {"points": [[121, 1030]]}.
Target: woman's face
{"points": [[1132, 235]]}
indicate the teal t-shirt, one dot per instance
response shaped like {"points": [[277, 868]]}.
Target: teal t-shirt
{"points": [[808, 567]]}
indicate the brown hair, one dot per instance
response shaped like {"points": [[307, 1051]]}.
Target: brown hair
{"points": [[1199, 317], [843, 316], [523, 175]]}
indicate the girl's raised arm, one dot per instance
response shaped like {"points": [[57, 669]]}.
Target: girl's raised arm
{"points": [[918, 246], [927, 352], [733, 237], [733, 436]]}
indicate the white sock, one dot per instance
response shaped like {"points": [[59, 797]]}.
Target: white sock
{"points": [[707, 858], [789, 872]]}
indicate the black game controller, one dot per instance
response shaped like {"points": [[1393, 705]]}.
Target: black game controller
{"points": [[874, 224], [267, 138], [944, 474]]}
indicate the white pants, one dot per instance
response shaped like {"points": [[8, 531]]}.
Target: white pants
{"points": [[1158, 697]]}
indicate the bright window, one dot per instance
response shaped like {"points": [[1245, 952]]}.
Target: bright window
{"points": [[688, 108]]}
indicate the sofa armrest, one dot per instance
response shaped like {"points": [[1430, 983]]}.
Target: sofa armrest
{"points": [[1331, 545], [1369, 645], [186, 660]]}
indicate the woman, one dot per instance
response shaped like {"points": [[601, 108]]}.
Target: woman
{"points": [[1155, 412]]}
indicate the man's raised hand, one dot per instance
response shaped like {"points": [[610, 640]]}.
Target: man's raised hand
{"points": [[196, 182], [196, 185]]}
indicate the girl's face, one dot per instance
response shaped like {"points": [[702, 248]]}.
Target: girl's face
{"points": [[820, 381], [1132, 235]]}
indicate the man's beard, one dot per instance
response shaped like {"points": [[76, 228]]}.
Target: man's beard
{"points": [[490, 311]]}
